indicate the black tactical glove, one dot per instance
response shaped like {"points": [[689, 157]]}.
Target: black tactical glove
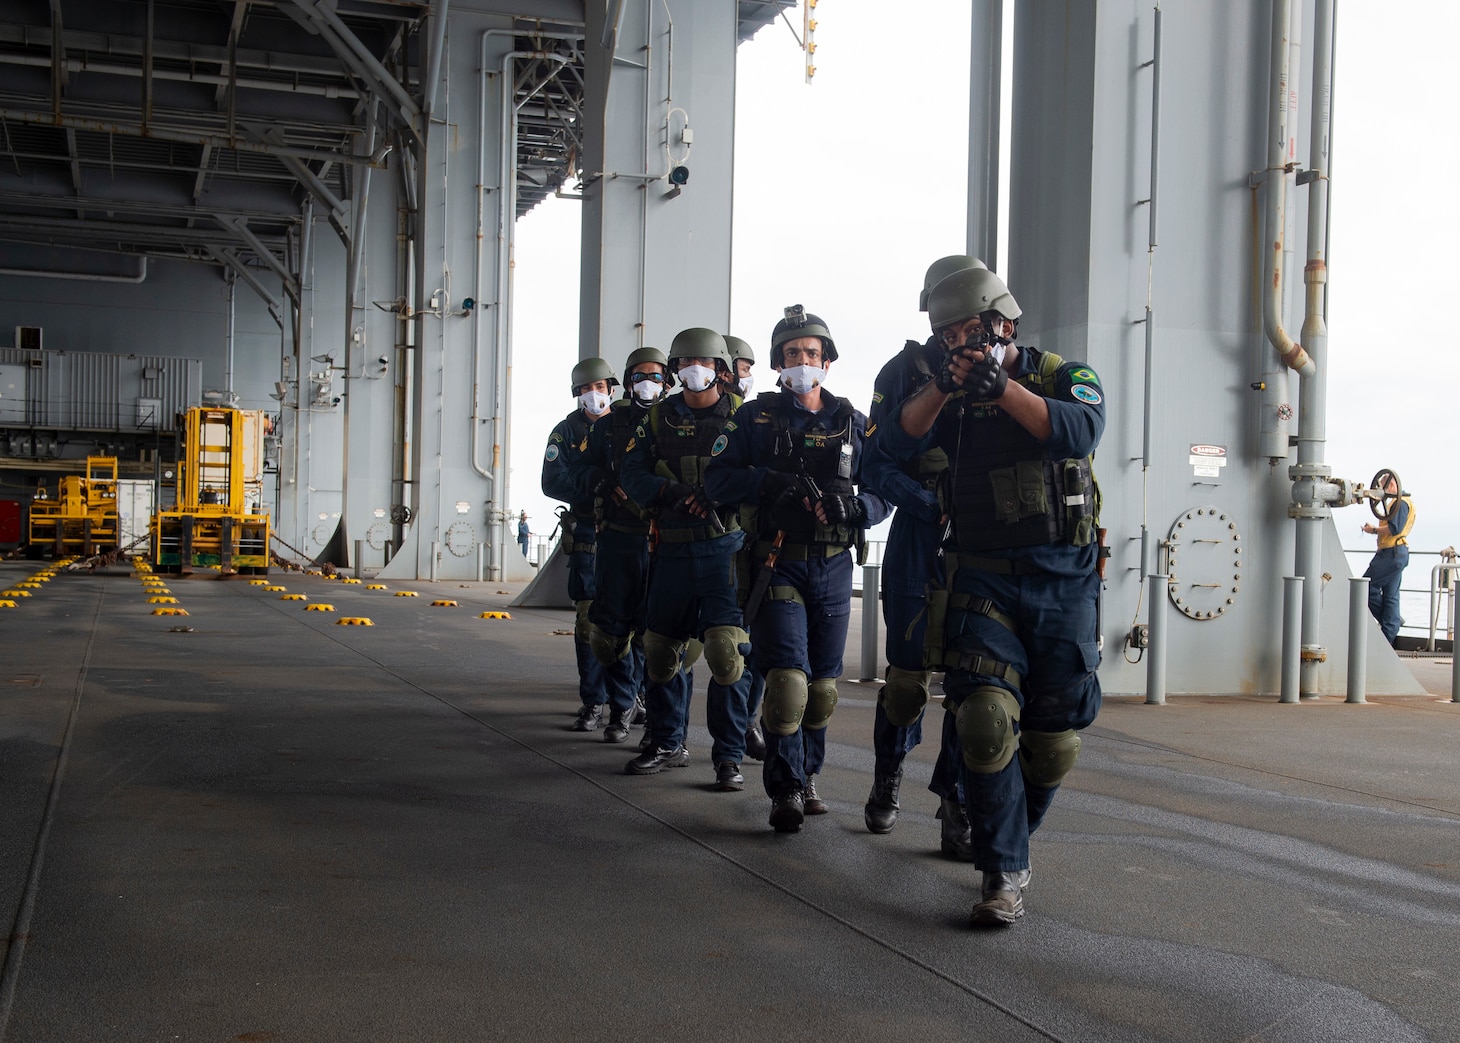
{"points": [[841, 509], [944, 379], [602, 482], [777, 485], [987, 381], [674, 494]]}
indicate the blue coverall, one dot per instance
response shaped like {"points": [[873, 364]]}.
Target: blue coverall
{"points": [[565, 479], [1385, 571], [810, 636], [691, 588], [1049, 592]]}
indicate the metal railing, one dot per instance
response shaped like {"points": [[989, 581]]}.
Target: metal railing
{"points": [[1444, 583]]}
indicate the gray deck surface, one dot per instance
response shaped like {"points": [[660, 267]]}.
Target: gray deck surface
{"points": [[276, 828]]}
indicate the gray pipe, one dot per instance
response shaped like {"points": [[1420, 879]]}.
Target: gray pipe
{"points": [[1156, 653], [984, 106], [1358, 645], [1292, 638], [871, 636], [41, 273]]}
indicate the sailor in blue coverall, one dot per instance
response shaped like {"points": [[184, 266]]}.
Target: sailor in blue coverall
{"points": [[1019, 639], [564, 477], [793, 456], [692, 591], [910, 560]]}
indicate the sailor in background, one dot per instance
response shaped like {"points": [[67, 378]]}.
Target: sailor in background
{"points": [[1386, 569]]}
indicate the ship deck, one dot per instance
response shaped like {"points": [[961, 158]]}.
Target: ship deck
{"points": [[252, 823]]}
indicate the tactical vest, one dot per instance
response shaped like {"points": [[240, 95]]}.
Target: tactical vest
{"points": [[826, 456], [627, 516], [1005, 492], [578, 426], [1400, 538], [683, 446]]}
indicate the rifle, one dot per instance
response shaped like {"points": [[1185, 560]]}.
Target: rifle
{"points": [[762, 583]]}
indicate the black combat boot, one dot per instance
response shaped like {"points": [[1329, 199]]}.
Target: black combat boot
{"points": [[881, 810]]}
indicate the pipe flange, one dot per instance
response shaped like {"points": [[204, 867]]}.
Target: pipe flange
{"points": [[1204, 563], [377, 534]]}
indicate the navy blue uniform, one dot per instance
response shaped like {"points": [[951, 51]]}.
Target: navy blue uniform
{"points": [[621, 566], [802, 625], [566, 478], [692, 583], [910, 559], [1021, 608]]}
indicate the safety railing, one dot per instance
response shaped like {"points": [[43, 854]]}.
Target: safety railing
{"points": [[1444, 584]]}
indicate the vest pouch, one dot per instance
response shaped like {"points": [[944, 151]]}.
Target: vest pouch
{"points": [[935, 636], [1019, 491], [1079, 497]]}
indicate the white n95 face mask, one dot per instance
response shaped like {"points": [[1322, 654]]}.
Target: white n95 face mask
{"points": [[746, 383], [647, 390], [594, 402], [697, 378], [802, 379]]}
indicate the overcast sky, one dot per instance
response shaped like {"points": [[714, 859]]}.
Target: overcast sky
{"points": [[1391, 389]]}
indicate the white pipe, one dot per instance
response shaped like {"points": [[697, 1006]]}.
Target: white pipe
{"points": [[1292, 353]]}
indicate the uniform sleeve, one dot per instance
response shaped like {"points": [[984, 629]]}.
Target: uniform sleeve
{"points": [[882, 471], [1398, 519], [637, 477], [877, 508], [731, 476], [1076, 412], [557, 479]]}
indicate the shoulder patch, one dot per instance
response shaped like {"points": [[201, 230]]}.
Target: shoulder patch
{"points": [[555, 437], [729, 426], [876, 397], [583, 445], [1084, 376], [630, 447], [1085, 393], [870, 429], [639, 432], [552, 452], [720, 444]]}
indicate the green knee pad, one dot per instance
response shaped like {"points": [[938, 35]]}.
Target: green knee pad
{"points": [[786, 693], [661, 657], [580, 622], [722, 652], [904, 695], [692, 650], [985, 723], [607, 648], [1046, 758], [820, 701]]}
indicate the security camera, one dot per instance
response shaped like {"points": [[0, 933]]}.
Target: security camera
{"points": [[679, 175], [384, 360]]}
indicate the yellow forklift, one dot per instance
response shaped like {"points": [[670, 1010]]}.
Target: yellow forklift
{"points": [[217, 520], [82, 519]]}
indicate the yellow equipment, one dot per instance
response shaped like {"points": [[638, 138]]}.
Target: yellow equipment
{"points": [[82, 519], [217, 520]]}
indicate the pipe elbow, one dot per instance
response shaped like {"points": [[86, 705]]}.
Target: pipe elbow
{"points": [[1289, 350]]}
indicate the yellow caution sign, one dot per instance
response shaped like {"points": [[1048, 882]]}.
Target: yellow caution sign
{"points": [[354, 621], [495, 615]]}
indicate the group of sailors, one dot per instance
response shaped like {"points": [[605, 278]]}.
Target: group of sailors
{"points": [[703, 523]]}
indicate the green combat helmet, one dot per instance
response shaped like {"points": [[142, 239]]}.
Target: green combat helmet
{"points": [[941, 269], [970, 294], [700, 343], [739, 349], [590, 371], [641, 355], [800, 323]]}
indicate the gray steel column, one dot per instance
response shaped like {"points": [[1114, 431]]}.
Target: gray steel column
{"points": [[985, 79], [1358, 645], [871, 632], [1156, 653], [1292, 638], [656, 257]]}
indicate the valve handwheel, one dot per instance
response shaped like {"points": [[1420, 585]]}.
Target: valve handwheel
{"points": [[1384, 505]]}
